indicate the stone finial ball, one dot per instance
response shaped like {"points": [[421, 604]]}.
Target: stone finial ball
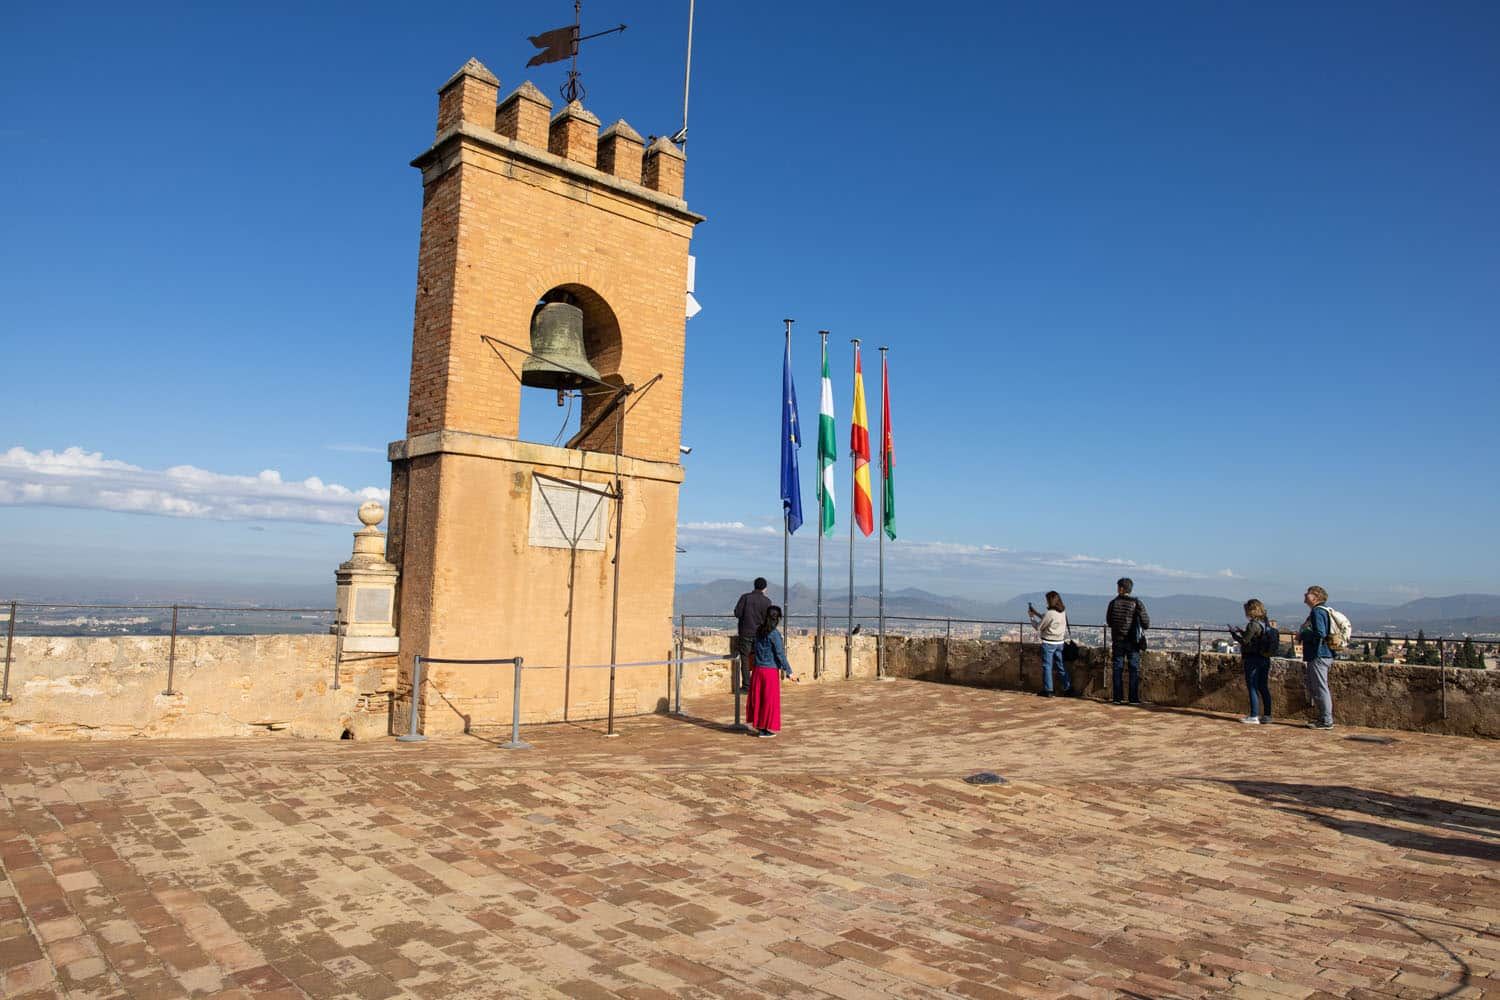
{"points": [[371, 513]]}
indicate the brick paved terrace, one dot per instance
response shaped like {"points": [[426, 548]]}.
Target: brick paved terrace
{"points": [[1133, 852]]}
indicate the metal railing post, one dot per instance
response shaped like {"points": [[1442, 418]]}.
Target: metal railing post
{"points": [[172, 653], [412, 736], [681, 653], [10, 635], [948, 649], [1443, 678], [516, 743], [1199, 658]]}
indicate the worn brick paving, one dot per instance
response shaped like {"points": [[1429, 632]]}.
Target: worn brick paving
{"points": [[1137, 853]]}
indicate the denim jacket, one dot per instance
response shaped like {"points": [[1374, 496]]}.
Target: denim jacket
{"points": [[769, 652], [1314, 635]]}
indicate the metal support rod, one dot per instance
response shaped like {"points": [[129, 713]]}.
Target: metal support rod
{"points": [[614, 601], [516, 743], [338, 657], [172, 653], [412, 736], [10, 635]]}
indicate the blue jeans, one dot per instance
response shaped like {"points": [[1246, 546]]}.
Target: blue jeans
{"points": [[1134, 658], [1052, 655], [1258, 683]]}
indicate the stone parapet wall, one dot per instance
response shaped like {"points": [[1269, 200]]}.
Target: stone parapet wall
{"points": [[113, 688], [1364, 694]]}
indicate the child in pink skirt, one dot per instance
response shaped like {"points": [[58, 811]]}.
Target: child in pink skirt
{"points": [[763, 710]]}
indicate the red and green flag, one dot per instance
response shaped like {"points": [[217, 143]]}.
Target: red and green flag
{"points": [[887, 452]]}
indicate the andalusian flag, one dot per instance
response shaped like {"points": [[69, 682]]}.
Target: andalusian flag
{"points": [[887, 452], [827, 448], [859, 446]]}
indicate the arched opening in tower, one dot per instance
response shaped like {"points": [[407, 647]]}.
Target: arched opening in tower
{"points": [[567, 391]]}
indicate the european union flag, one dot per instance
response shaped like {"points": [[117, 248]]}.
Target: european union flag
{"points": [[791, 440]]}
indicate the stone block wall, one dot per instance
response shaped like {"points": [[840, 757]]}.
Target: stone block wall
{"points": [[113, 688], [1364, 694]]}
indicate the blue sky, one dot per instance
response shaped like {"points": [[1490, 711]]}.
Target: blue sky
{"points": [[1207, 292]]}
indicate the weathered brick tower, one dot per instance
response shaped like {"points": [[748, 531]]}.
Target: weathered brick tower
{"points": [[519, 207]]}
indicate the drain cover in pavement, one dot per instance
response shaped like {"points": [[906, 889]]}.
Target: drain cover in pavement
{"points": [[1362, 738], [985, 778]]}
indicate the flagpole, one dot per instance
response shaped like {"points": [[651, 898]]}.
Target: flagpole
{"points": [[786, 516], [820, 654], [853, 490], [880, 528]]}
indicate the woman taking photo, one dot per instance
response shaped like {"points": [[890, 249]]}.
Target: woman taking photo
{"points": [[1052, 628], [1258, 643], [763, 710]]}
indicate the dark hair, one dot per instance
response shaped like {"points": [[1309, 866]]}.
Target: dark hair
{"points": [[760, 583], [1054, 601], [1125, 583], [768, 625]]}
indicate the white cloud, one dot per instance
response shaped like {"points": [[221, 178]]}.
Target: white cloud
{"points": [[84, 479], [727, 547]]}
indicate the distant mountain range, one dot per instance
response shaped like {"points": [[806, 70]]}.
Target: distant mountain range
{"points": [[1461, 614]]}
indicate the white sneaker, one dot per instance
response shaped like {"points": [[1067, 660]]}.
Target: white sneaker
{"points": [[1251, 720]]}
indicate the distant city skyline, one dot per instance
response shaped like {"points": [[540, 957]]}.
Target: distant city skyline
{"points": [[1200, 295]]}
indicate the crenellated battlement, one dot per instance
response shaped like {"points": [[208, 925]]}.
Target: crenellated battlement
{"points": [[469, 98]]}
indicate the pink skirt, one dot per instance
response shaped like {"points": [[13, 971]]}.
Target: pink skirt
{"points": [[763, 709]]}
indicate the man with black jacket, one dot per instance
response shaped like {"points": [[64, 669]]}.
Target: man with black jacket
{"points": [[749, 612], [1124, 614]]}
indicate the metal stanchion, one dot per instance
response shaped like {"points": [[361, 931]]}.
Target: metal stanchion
{"points": [[516, 743], [412, 736], [1443, 678], [172, 654], [10, 635]]}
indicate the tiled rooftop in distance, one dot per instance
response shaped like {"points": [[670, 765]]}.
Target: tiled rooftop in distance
{"points": [[1133, 852]]}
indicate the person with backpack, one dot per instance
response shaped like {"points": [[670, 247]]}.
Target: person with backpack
{"points": [[1128, 621], [1259, 641], [1319, 636], [1052, 629]]}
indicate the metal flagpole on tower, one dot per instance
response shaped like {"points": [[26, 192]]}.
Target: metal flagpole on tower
{"points": [[820, 654], [880, 530], [786, 534], [853, 490]]}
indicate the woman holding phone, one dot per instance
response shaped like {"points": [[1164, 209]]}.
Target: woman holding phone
{"points": [[1052, 628]]}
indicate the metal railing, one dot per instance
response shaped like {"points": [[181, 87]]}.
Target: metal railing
{"points": [[1447, 647], [319, 620]]}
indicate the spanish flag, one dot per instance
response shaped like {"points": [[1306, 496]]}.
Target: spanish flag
{"points": [[859, 447]]}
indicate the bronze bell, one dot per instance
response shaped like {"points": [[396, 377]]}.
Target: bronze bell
{"points": [[557, 349]]}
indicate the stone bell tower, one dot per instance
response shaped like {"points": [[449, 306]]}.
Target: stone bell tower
{"points": [[535, 220]]}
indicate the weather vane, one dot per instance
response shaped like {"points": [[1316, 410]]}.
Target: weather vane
{"points": [[562, 43]]}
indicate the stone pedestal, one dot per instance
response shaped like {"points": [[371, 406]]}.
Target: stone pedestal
{"points": [[365, 620]]}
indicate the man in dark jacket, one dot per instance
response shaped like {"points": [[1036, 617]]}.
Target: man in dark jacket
{"points": [[750, 611], [1123, 614]]}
